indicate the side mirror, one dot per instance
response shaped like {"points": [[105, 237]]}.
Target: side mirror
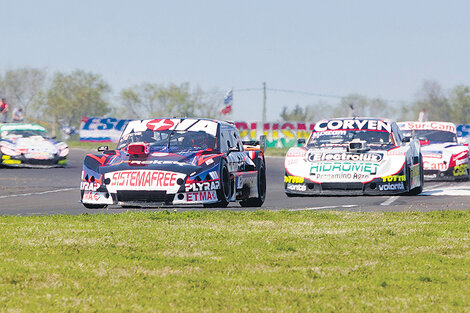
{"points": [[102, 148], [406, 139], [301, 141], [262, 142]]}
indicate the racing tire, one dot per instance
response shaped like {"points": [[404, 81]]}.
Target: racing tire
{"points": [[94, 206], [257, 202], [225, 192]]}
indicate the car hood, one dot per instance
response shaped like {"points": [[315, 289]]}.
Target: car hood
{"points": [[34, 144], [186, 162]]}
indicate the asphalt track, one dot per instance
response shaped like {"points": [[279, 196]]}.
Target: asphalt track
{"points": [[25, 191]]}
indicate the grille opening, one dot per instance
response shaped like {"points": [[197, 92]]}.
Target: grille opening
{"points": [[141, 196], [342, 186]]}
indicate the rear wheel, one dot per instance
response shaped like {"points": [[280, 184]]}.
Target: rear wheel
{"points": [[257, 202], [225, 192]]}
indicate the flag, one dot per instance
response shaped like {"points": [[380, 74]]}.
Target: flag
{"points": [[228, 99]]}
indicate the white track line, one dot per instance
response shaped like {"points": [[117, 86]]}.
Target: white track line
{"points": [[390, 200], [37, 193], [325, 207]]}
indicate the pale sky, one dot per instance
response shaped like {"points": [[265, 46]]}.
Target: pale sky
{"points": [[375, 48]]}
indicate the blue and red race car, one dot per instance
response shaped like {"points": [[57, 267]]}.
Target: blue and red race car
{"points": [[178, 161]]}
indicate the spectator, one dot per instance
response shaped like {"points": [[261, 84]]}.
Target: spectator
{"points": [[4, 110], [423, 116], [18, 115]]}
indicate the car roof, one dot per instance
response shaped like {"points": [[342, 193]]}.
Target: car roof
{"points": [[12, 126]]}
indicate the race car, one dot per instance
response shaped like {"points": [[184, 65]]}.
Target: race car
{"points": [[28, 145], [354, 156], [177, 161], [443, 157]]}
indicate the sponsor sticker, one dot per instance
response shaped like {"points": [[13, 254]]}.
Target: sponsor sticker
{"points": [[201, 196], [160, 124], [460, 170], [357, 167], [353, 124], [434, 166], [143, 178], [296, 153], [340, 176], [450, 127], [294, 187], [203, 186], [392, 186], [89, 186], [294, 179], [369, 157], [393, 178]]}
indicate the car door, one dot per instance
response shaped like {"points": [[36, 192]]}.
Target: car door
{"points": [[232, 147]]}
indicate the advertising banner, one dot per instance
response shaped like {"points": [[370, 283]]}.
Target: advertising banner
{"points": [[281, 134], [101, 129]]}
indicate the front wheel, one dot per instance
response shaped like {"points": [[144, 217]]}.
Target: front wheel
{"points": [[257, 202], [225, 192]]}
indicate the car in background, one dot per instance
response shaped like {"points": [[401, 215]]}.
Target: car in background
{"points": [[177, 161], [28, 145], [354, 156], [443, 156]]}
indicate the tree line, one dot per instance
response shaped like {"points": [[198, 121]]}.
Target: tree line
{"points": [[451, 105], [61, 99]]}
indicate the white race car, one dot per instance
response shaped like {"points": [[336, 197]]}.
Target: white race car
{"points": [[354, 156], [443, 156], [28, 145]]}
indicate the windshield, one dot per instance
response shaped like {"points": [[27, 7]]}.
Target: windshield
{"points": [[178, 140], [432, 135], [342, 137], [23, 133]]}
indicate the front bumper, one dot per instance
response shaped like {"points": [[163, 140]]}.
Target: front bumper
{"points": [[391, 185], [453, 173], [22, 161]]}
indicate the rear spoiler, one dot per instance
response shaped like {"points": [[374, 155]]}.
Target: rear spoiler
{"points": [[255, 144]]}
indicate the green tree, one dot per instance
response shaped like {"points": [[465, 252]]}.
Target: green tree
{"points": [[358, 105], [432, 98], [72, 96], [146, 100], [297, 114], [22, 87], [459, 102]]}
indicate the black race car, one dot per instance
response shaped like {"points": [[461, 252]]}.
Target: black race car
{"points": [[174, 161]]}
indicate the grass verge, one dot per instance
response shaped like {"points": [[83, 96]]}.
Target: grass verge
{"points": [[276, 151], [89, 145], [227, 261]]}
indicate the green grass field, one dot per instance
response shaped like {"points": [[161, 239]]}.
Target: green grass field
{"points": [[236, 262]]}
